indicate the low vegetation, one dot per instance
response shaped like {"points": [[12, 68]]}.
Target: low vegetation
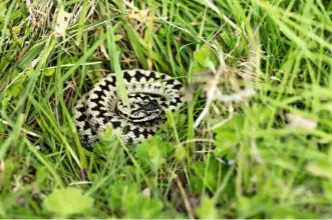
{"points": [[254, 139]]}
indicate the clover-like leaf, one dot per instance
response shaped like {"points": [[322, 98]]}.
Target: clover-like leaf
{"points": [[152, 153], [204, 59], [64, 202], [2, 211], [206, 209]]}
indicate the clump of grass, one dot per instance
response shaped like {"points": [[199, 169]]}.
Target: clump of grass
{"points": [[245, 159]]}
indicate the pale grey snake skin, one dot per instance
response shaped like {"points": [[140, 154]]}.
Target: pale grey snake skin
{"points": [[150, 95]]}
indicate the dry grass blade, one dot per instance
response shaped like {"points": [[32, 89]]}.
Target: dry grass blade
{"points": [[211, 81]]}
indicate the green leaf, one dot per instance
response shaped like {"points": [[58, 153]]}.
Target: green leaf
{"points": [[205, 174], [180, 153], [10, 166], [17, 86], [174, 119], [204, 59], [224, 141], [152, 153], [283, 212], [49, 72], [227, 136], [3, 10], [107, 134], [106, 140], [119, 190], [32, 54], [143, 207], [156, 156], [327, 186], [329, 155], [65, 202], [226, 37], [118, 37], [41, 174], [206, 210], [2, 211], [125, 197], [320, 168]]}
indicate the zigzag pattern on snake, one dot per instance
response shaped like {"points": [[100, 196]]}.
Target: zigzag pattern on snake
{"points": [[150, 94]]}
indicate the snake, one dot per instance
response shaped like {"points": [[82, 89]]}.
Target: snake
{"points": [[150, 94]]}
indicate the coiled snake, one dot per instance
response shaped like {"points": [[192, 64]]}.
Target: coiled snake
{"points": [[150, 94]]}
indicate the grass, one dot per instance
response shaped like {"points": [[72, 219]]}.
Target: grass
{"points": [[267, 155]]}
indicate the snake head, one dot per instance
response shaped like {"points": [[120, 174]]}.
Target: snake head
{"points": [[151, 106], [146, 111], [140, 110]]}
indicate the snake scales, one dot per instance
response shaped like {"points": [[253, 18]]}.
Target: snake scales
{"points": [[150, 94]]}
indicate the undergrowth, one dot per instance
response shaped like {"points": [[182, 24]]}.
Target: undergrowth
{"points": [[253, 140]]}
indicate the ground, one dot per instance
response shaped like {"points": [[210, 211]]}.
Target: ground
{"points": [[254, 139]]}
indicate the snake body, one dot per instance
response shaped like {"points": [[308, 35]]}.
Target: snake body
{"points": [[150, 95]]}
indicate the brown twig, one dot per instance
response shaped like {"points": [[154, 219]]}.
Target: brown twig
{"points": [[184, 197]]}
